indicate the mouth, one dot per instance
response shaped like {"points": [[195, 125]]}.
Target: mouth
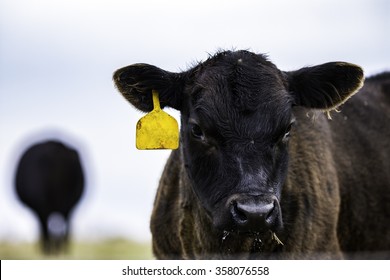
{"points": [[236, 242]]}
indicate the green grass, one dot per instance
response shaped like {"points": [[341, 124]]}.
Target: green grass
{"points": [[114, 249]]}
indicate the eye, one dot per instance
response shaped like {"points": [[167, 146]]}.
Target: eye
{"points": [[286, 135], [197, 132]]}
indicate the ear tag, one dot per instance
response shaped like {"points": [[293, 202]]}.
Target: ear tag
{"points": [[157, 130]]}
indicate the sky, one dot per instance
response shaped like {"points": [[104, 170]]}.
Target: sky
{"points": [[56, 63]]}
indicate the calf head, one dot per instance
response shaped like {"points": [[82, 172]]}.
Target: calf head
{"points": [[236, 119]]}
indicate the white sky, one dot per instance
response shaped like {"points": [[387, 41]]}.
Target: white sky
{"points": [[57, 59]]}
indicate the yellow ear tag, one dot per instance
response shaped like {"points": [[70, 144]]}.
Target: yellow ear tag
{"points": [[157, 130]]}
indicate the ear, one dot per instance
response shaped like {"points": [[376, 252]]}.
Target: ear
{"points": [[325, 86], [137, 81]]}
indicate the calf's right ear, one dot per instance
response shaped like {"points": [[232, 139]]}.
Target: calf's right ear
{"points": [[136, 82]]}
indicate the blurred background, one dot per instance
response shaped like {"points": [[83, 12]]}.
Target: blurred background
{"points": [[56, 63]]}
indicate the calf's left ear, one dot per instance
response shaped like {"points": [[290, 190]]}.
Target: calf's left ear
{"points": [[137, 81], [325, 86]]}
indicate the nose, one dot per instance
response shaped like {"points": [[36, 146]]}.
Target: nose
{"points": [[254, 213]]}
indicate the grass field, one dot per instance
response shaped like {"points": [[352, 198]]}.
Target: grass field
{"points": [[115, 249]]}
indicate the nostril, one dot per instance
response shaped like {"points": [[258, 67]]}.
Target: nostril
{"points": [[270, 215], [237, 213]]}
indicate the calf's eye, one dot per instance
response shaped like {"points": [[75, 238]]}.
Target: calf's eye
{"points": [[197, 132], [286, 135]]}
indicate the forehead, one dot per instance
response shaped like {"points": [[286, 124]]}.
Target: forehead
{"points": [[240, 87], [243, 80]]}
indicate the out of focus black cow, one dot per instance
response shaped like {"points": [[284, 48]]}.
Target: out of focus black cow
{"points": [[50, 180]]}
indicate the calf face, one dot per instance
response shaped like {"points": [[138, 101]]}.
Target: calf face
{"points": [[236, 119]]}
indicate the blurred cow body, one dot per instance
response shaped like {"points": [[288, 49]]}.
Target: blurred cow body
{"points": [[50, 181]]}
